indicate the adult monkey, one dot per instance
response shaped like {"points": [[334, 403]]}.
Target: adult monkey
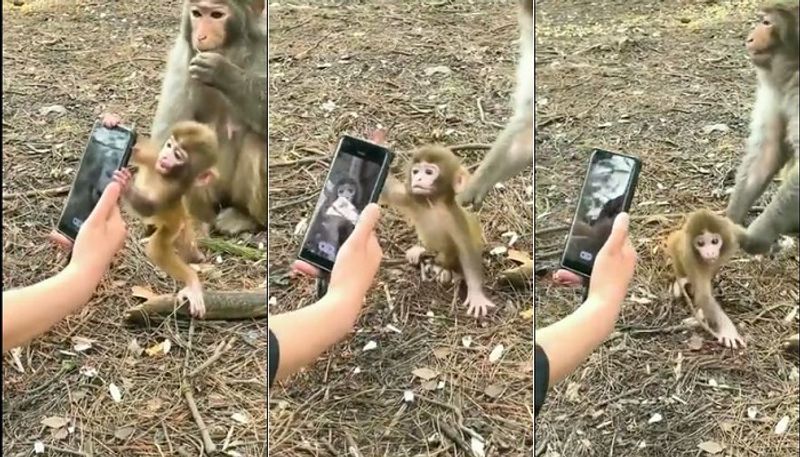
{"points": [[217, 74], [774, 49], [512, 151]]}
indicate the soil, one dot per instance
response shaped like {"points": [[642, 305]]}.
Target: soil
{"points": [[668, 82]]}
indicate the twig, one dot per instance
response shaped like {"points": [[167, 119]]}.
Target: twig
{"points": [[470, 147], [454, 436], [302, 161], [352, 447], [54, 192], [549, 230], [209, 445], [294, 202], [227, 247], [221, 349]]}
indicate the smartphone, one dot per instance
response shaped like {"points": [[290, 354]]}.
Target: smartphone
{"points": [[607, 191], [355, 179], [108, 150]]}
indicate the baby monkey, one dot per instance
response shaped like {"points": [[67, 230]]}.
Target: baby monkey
{"points": [[698, 250], [433, 178], [157, 194]]}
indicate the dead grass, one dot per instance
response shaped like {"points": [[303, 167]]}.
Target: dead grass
{"points": [[90, 57], [645, 78], [345, 69]]}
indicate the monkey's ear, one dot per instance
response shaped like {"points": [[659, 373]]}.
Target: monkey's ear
{"points": [[258, 6], [207, 177], [460, 178]]}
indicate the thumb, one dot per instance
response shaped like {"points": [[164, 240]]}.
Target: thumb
{"points": [[619, 232], [366, 222], [107, 203]]}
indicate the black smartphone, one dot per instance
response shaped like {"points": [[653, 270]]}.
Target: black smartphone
{"points": [[355, 179], [607, 191], [108, 150]]}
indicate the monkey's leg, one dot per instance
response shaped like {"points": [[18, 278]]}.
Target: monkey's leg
{"points": [[248, 191], [186, 244], [160, 250], [766, 155], [781, 216], [724, 329], [511, 153]]}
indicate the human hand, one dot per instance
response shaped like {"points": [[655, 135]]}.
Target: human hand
{"points": [[567, 278], [101, 235], [359, 257], [614, 265]]}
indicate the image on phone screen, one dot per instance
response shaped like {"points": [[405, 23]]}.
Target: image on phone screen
{"points": [[346, 193], [107, 151], [607, 191]]}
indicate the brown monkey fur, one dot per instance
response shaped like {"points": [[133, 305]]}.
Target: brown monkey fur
{"points": [[427, 199], [717, 237], [217, 74], [773, 46], [158, 195]]}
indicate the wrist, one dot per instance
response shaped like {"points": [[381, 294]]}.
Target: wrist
{"points": [[85, 272]]}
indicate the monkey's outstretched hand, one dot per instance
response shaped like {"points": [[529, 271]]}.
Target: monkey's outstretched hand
{"points": [[614, 265], [359, 257]]}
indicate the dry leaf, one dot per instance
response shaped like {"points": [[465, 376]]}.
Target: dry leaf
{"points": [[116, 395], [143, 292], [782, 425], [498, 250], [512, 238], [711, 447], [425, 373], [408, 396], [240, 418], [159, 349], [640, 300], [80, 344], [655, 418], [123, 433], [440, 69], [496, 353], [527, 314], [393, 328], [89, 372], [752, 412], [493, 390], [301, 227], [38, 447], [518, 256], [441, 353], [695, 342], [477, 447], [154, 404], [55, 422], [134, 348], [466, 341], [430, 385], [59, 434], [370, 346]]}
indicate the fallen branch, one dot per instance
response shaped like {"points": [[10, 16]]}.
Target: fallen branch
{"points": [[55, 191], [219, 306], [209, 447], [227, 247], [470, 147], [222, 348]]}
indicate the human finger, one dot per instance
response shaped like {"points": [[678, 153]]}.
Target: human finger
{"points": [[378, 136], [619, 232], [107, 203], [366, 222], [567, 278], [304, 268], [60, 240]]}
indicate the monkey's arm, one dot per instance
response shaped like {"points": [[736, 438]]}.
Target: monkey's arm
{"points": [[781, 216], [144, 204], [510, 154], [394, 193], [724, 329], [766, 155], [174, 103], [245, 89]]}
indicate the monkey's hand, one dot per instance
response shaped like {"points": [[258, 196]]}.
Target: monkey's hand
{"points": [[123, 177], [726, 332], [215, 70], [475, 192], [414, 254], [110, 120], [193, 293], [478, 303]]}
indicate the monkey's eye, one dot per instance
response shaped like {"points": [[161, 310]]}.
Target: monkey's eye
{"points": [[217, 14], [196, 13], [428, 171], [700, 243], [414, 171], [715, 241]]}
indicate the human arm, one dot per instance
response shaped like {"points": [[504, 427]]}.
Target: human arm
{"points": [[305, 333], [30, 311], [568, 342]]}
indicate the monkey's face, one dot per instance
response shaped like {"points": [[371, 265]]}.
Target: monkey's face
{"points": [[708, 245], [422, 178], [171, 157], [347, 191], [208, 19], [776, 31]]}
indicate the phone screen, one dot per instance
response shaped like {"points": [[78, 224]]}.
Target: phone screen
{"points": [[108, 150], [607, 191], [355, 179]]}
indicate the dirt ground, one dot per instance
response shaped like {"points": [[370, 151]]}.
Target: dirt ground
{"points": [[433, 72], [646, 78], [64, 63]]}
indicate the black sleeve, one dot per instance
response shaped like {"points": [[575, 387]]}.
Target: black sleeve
{"points": [[541, 374], [274, 356]]}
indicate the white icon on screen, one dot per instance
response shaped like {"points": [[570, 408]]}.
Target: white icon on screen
{"points": [[587, 256]]}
